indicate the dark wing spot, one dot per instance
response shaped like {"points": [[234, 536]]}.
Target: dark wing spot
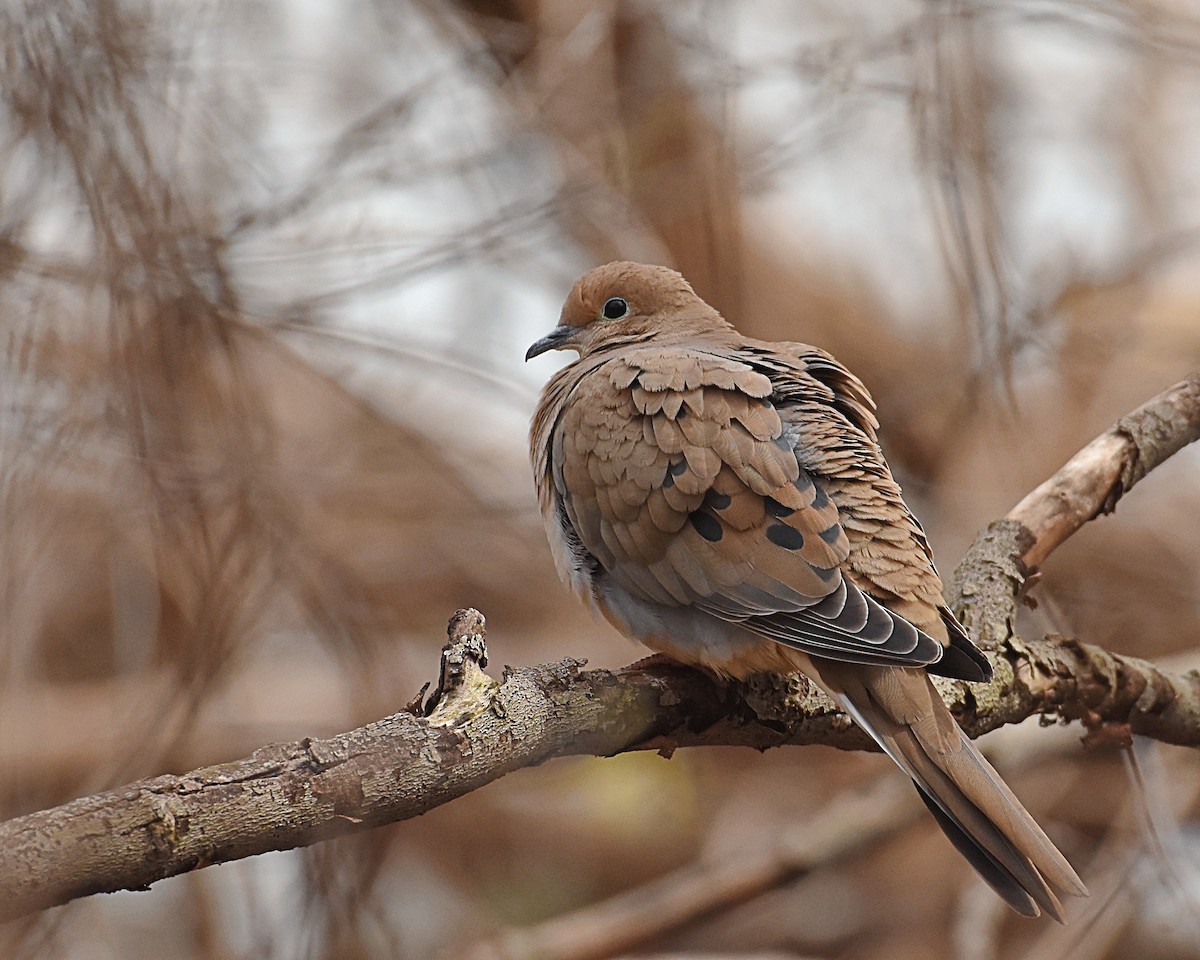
{"points": [[776, 509], [708, 526], [820, 501], [825, 573], [718, 501], [673, 470], [802, 482], [830, 534], [784, 536]]}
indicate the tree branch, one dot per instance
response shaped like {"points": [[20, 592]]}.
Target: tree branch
{"points": [[1091, 482], [992, 575], [289, 795], [475, 729]]}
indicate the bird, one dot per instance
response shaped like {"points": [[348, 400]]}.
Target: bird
{"points": [[725, 502]]}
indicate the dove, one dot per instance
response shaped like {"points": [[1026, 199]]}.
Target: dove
{"points": [[725, 502]]}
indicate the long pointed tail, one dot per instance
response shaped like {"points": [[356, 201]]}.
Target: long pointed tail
{"points": [[984, 820]]}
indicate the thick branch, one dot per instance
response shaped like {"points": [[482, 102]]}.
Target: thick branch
{"points": [[289, 795]]}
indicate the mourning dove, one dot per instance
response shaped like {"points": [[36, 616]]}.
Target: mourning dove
{"points": [[724, 501]]}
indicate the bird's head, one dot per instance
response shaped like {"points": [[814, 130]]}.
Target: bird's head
{"points": [[625, 302]]}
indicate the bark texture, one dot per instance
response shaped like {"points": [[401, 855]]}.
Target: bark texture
{"points": [[293, 794]]}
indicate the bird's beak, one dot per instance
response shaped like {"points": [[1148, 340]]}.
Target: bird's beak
{"points": [[557, 339]]}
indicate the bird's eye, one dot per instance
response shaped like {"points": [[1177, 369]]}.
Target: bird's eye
{"points": [[615, 308]]}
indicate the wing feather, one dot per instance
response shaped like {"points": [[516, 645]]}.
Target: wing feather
{"points": [[685, 482]]}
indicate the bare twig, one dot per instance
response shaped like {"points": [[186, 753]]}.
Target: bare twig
{"points": [[992, 575], [1091, 482]]}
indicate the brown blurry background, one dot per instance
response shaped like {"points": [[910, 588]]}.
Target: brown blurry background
{"points": [[267, 275]]}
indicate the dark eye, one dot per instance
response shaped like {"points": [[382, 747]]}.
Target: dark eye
{"points": [[615, 308]]}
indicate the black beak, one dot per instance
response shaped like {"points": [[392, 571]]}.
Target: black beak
{"points": [[556, 339]]}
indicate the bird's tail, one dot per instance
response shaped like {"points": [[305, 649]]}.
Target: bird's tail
{"points": [[984, 820]]}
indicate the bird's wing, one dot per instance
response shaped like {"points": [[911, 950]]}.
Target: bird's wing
{"points": [[672, 467], [829, 416]]}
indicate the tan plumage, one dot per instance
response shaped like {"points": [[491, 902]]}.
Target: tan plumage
{"points": [[725, 501]]}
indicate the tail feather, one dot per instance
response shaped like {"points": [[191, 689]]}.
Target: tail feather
{"points": [[978, 812], [978, 836], [992, 870]]}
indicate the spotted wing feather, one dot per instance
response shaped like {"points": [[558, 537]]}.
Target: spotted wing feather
{"points": [[685, 484]]}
